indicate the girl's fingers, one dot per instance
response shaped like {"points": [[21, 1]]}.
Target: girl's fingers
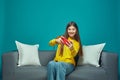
{"points": [[61, 41]]}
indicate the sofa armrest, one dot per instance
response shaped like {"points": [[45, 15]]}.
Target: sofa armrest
{"points": [[9, 63], [109, 61]]}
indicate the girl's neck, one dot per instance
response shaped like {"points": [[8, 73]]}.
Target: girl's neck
{"points": [[71, 37]]}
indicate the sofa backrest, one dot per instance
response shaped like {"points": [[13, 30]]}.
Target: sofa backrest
{"points": [[46, 56]]}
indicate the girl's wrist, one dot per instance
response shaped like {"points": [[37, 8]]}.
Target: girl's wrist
{"points": [[71, 48], [56, 41]]}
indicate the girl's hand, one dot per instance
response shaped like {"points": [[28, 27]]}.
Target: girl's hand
{"points": [[70, 45], [59, 41]]}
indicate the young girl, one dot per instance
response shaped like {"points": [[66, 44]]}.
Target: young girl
{"points": [[64, 62]]}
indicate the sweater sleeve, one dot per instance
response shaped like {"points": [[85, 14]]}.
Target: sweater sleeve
{"points": [[75, 49], [52, 42]]}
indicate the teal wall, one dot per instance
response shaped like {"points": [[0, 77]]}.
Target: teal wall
{"points": [[118, 27], [38, 21], [119, 23], [1, 29]]}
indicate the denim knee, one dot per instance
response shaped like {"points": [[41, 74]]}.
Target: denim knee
{"points": [[51, 64]]}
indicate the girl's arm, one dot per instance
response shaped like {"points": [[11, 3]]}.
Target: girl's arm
{"points": [[55, 41], [74, 49], [52, 42]]}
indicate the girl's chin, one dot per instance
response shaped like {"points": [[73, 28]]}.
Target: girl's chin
{"points": [[71, 36]]}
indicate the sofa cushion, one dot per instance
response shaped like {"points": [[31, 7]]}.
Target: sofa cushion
{"points": [[28, 54], [88, 72], [31, 73], [91, 54]]}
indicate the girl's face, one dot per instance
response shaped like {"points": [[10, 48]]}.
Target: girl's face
{"points": [[71, 31]]}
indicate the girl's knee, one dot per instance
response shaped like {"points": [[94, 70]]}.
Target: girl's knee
{"points": [[51, 63], [58, 65]]}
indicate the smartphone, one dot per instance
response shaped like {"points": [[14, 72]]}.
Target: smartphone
{"points": [[65, 41]]}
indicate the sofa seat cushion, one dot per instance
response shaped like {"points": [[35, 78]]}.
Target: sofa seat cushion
{"points": [[88, 72], [31, 73]]}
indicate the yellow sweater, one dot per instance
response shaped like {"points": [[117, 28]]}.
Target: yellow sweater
{"points": [[68, 55]]}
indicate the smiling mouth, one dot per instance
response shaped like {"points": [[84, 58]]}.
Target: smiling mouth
{"points": [[71, 33]]}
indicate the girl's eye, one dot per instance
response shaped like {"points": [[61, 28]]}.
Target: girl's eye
{"points": [[69, 29], [73, 29]]}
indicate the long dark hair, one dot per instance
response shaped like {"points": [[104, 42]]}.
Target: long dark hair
{"points": [[77, 36]]}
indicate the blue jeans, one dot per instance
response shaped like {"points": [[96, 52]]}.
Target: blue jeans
{"points": [[58, 70]]}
